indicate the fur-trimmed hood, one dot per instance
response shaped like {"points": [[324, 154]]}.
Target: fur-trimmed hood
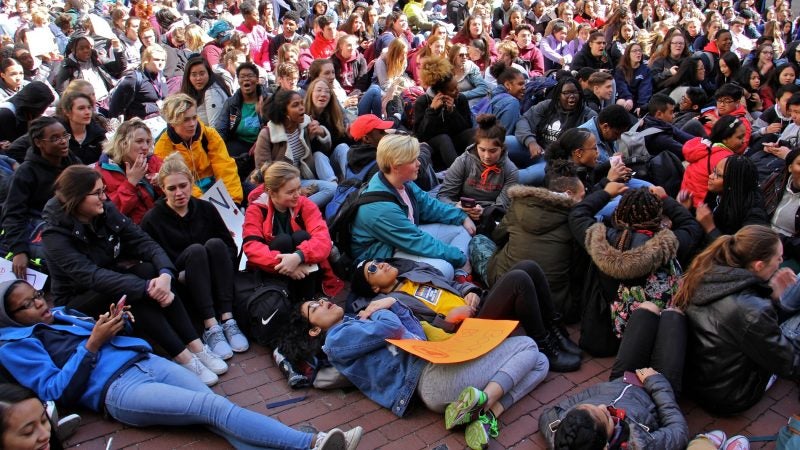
{"points": [[543, 196], [645, 256]]}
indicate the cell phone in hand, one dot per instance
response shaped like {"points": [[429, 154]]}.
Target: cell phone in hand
{"points": [[631, 378], [468, 202], [121, 304]]}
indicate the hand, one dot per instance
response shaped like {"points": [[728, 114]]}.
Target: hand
{"points": [[779, 151], [299, 273], [755, 98], [469, 225], [686, 199], [474, 213], [4, 145], [384, 303], [774, 128], [673, 70], [19, 265], [315, 129], [458, 314], [614, 189], [473, 301], [781, 279], [351, 101], [535, 150], [643, 374], [705, 217], [125, 312], [136, 171], [618, 173], [159, 289], [438, 101], [659, 192], [289, 262], [115, 44], [104, 329]]}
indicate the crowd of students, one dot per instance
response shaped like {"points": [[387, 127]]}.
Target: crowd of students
{"points": [[630, 167]]}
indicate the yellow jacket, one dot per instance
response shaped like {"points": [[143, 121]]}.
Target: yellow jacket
{"points": [[213, 161]]}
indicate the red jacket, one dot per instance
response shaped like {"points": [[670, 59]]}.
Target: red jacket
{"points": [[740, 113], [322, 48], [534, 58], [133, 201], [696, 153], [258, 228]]}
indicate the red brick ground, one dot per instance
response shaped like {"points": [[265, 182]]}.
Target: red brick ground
{"points": [[253, 380]]}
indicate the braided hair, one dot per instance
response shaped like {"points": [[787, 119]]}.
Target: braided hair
{"points": [[579, 431], [739, 193], [639, 209]]}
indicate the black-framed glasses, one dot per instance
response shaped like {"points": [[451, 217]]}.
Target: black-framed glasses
{"points": [[56, 139], [100, 193], [29, 303], [573, 94]]}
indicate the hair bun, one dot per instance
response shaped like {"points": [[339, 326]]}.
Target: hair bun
{"points": [[486, 121]]}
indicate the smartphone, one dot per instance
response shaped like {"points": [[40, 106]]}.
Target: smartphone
{"points": [[631, 378], [121, 304], [468, 202]]}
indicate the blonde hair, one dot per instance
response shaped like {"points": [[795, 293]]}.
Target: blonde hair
{"points": [[121, 142], [196, 38], [396, 149], [277, 174], [175, 106], [150, 52], [396, 58], [174, 165], [508, 48]]}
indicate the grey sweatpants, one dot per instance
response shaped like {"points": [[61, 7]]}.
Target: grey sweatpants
{"points": [[516, 365]]}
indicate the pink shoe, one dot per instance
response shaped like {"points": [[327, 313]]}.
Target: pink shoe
{"points": [[737, 442], [716, 437]]}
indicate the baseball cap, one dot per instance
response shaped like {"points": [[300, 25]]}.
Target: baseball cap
{"points": [[363, 125]]}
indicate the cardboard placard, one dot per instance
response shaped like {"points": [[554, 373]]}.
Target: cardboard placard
{"points": [[35, 278], [218, 196], [474, 338]]}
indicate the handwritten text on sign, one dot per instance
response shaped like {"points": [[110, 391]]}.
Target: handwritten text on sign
{"points": [[474, 338], [218, 196]]}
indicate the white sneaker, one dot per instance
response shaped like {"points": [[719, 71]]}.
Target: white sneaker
{"points": [[212, 361], [208, 377], [353, 437], [332, 440]]}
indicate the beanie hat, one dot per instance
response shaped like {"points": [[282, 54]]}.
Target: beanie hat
{"points": [[359, 283]]}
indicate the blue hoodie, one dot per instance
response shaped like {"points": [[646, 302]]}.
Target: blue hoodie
{"points": [[53, 361], [506, 107]]}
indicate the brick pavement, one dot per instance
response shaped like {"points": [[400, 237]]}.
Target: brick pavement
{"points": [[253, 380]]}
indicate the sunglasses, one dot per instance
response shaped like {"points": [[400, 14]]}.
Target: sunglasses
{"points": [[372, 267]]}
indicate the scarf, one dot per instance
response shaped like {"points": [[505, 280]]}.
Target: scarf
{"points": [[487, 171]]}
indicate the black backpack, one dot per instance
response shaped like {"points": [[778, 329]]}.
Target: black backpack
{"points": [[341, 226]]}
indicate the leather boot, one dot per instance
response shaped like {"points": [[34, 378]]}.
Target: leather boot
{"points": [[561, 335], [560, 361]]}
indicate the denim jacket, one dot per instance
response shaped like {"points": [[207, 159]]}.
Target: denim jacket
{"points": [[385, 374]]}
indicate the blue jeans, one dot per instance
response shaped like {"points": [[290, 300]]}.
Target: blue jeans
{"points": [[326, 183], [455, 235], [531, 171], [339, 159], [156, 391], [370, 102], [612, 205]]}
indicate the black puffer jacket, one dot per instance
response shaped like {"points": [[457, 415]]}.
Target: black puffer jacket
{"points": [[651, 412], [84, 257], [735, 343]]}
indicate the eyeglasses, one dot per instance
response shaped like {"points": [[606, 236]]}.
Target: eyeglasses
{"points": [[56, 139], [100, 193], [245, 76], [725, 101], [570, 94], [372, 267], [29, 303]]}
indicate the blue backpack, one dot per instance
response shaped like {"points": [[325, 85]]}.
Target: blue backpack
{"points": [[352, 182]]}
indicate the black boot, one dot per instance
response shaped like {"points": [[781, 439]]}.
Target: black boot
{"points": [[560, 361], [561, 335]]}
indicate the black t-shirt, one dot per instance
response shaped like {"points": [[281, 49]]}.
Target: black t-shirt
{"points": [[281, 223]]}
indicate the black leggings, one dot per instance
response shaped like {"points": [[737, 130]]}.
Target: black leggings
{"points": [[307, 288], [447, 148], [652, 340], [211, 291], [168, 327], [523, 294]]}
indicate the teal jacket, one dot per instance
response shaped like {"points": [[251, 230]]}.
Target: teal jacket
{"points": [[381, 228]]}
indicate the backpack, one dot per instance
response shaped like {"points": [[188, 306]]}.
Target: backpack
{"points": [[538, 89], [634, 151], [665, 170], [352, 182], [341, 226], [262, 307]]}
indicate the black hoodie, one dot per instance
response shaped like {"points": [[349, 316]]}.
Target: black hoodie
{"points": [[30, 101], [31, 187]]}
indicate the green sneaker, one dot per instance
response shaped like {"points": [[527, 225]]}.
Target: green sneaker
{"points": [[478, 432], [466, 408]]}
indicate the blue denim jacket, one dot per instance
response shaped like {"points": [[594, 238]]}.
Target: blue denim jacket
{"points": [[384, 373]]}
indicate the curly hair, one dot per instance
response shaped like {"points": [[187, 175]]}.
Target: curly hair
{"points": [[296, 345], [436, 72], [579, 431], [639, 209]]}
